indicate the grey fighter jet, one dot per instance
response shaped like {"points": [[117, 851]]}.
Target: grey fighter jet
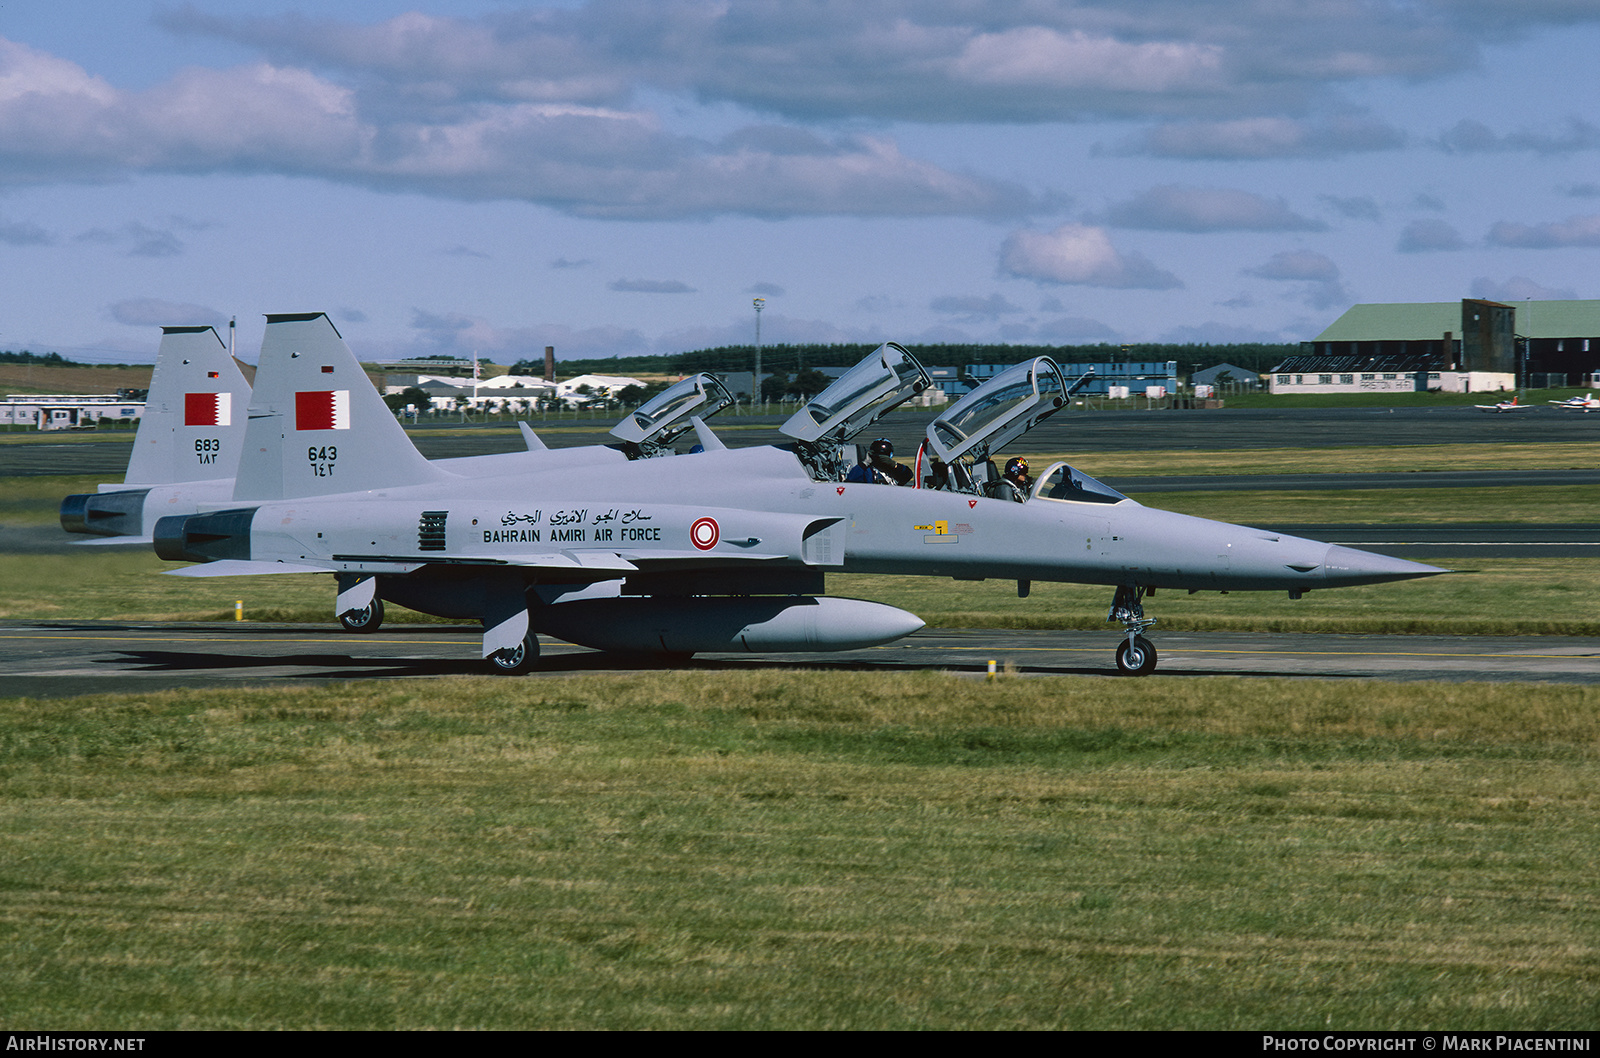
{"points": [[722, 550]]}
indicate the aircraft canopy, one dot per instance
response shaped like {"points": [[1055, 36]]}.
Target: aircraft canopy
{"points": [[1062, 482], [999, 411], [666, 415], [887, 378]]}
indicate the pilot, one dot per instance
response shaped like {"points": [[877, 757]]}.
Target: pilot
{"points": [[1016, 482], [880, 467]]}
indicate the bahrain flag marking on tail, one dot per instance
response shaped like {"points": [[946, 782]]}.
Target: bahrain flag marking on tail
{"points": [[327, 409], [208, 409]]}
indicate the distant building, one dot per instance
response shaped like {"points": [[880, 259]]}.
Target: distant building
{"points": [[1235, 375], [67, 411], [1467, 346], [1140, 377]]}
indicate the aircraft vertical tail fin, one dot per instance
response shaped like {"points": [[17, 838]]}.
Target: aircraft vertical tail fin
{"points": [[317, 426], [193, 424]]}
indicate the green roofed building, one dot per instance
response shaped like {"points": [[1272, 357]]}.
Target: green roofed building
{"points": [[1470, 345]]}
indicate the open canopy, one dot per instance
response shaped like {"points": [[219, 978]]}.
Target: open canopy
{"points": [[666, 415], [999, 411], [887, 378]]}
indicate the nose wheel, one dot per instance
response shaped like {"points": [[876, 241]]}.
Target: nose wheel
{"points": [[1135, 656]]}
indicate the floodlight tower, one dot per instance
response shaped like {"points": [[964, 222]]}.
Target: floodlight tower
{"points": [[760, 304]]}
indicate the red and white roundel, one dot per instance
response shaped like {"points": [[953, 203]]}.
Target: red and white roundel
{"points": [[704, 534]]}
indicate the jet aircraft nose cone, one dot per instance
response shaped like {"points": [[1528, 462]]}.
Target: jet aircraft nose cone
{"points": [[1347, 565]]}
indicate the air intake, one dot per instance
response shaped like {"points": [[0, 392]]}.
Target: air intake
{"points": [[430, 532]]}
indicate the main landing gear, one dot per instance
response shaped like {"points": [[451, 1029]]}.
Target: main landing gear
{"points": [[367, 619], [517, 660], [1135, 656]]}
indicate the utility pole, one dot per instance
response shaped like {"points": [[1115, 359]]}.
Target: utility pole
{"points": [[760, 304]]}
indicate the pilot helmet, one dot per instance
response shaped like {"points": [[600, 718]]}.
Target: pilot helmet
{"points": [[881, 450], [1016, 467]]}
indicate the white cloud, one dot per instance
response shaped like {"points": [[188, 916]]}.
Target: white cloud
{"points": [[1267, 137], [1574, 231], [1519, 288], [1357, 207], [154, 312], [23, 233], [932, 60], [1074, 330], [1429, 234], [1323, 286], [1469, 137], [455, 334], [1214, 333], [651, 286], [1040, 57], [1207, 209], [973, 307], [1077, 253], [584, 160]]}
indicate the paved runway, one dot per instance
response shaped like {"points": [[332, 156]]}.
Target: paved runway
{"points": [[48, 660]]}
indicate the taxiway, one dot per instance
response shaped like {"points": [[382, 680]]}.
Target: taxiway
{"points": [[62, 659]]}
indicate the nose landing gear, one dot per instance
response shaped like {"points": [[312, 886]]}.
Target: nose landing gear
{"points": [[1135, 655]]}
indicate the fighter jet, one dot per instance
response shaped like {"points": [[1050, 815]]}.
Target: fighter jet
{"points": [[723, 550]]}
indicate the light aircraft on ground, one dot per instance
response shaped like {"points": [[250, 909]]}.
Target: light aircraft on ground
{"points": [[1504, 406], [720, 550], [1587, 402]]}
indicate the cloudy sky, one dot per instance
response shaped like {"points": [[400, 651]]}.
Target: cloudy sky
{"points": [[616, 177]]}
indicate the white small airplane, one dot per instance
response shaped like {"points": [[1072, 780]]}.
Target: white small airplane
{"points": [[1505, 405], [1587, 402]]}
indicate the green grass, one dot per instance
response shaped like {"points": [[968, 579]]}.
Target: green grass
{"points": [[1398, 459], [1536, 397], [804, 850], [1522, 596], [1536, 505]]}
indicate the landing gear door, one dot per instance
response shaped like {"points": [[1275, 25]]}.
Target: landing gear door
{"points": [[859, 397], [999, 411], [666, 415]]}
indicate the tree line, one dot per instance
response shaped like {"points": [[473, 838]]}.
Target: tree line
{"points": [[792, 359]]}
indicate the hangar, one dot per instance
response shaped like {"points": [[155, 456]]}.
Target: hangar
{"points": [[1468, 346]]}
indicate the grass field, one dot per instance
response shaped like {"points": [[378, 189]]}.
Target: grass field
{"points": [[822, 850]]}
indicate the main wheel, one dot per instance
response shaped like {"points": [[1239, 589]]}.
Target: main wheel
{"points": [[367, 619], [1137, 659], [519, 659]]}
